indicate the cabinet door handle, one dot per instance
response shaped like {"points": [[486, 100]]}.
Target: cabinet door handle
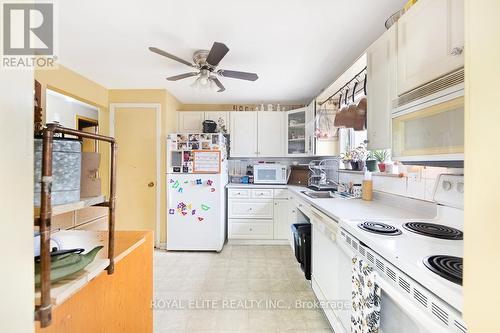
{"points": [[456, 51]]}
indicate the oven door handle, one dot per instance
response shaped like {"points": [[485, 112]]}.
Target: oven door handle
{"points": [[410, 308]]}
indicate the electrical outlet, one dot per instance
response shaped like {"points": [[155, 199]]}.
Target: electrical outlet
{"points": [[414, 174]]}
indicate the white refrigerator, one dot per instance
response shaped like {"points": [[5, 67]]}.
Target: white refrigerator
{"points": [[196, 179]]}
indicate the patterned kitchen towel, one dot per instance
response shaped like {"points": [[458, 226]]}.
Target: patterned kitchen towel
{"points": [[365, 315]]}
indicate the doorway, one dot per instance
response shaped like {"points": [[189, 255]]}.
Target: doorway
{"points": [[90, 126], [136, 128]]}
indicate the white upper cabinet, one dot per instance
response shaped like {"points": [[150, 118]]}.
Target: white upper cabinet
{"points": [[381, 87], [257, 134], [219, 115], [310, 128], [430, 42], [271, 134], [190, 121], [296, 132], [243, 134]]}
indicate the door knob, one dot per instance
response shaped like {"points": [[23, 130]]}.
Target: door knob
{"points": [[151, 184]]}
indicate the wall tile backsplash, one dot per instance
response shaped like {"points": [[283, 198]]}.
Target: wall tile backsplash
{"points": [[418, 182]]}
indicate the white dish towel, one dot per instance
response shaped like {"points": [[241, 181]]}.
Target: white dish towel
{"points": [[365, 314]]}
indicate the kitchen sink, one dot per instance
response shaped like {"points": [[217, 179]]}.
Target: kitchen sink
{"points": [[319, 194]]}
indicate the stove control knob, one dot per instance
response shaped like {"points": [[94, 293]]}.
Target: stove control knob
{"points": [[447, 185], [460, 187]]}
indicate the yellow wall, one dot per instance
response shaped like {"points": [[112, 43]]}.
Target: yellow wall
{"points": [[79, 87], [16, 201], [169, 106], [482, 196]]}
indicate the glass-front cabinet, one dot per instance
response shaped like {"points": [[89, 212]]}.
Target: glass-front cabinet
{"points": [[300, 131], [296, 132]]}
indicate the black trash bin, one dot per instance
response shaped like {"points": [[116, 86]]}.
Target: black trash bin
{"points": [[302, 246]]}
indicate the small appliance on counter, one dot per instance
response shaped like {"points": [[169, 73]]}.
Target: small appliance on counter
{"points": [[270, 173], [324, 175]]}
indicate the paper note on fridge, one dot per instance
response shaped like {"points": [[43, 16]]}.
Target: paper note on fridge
{"points": [[206, 161]]}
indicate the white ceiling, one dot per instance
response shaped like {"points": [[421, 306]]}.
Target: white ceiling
{"points": [[297, 47]]}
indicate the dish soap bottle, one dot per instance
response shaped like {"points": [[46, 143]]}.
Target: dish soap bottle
{"points": [[367, 187]]}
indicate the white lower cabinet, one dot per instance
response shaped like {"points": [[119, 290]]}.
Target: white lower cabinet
{"points": [[241, 208], [258, 214], [250, 229], [281, 222]]}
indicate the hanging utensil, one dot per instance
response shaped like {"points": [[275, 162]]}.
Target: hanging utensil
{"points": [[338, 117], [351, 110], [360, 119]]}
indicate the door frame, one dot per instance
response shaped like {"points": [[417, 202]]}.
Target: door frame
{"points": [[157, 106]]}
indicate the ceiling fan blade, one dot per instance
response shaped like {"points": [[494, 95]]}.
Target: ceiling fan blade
{"points": [[182, 76], [171, 56], [219, 84], [238, 75], [217, 52]]}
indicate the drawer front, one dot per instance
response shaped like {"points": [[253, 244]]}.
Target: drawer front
{"points": [[265, 193], [281, 193], [90, 213], [239, 193], [96, 225], [303, 207], [63, 221], [250, 229], [251, 209]]}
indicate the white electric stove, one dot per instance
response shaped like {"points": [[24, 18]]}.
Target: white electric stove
{"points": [[421, 258]]}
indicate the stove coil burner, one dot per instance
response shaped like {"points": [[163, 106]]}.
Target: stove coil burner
{"points": [[447, 267], [380, 228], [434, 230]]}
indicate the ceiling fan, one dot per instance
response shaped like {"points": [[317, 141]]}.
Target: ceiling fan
{"points": [[206, 63]]}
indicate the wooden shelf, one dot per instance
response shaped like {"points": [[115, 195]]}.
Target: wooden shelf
{"points": [[301, 125], [69, 207]]}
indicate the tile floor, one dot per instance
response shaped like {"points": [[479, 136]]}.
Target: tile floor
{"points": [[242, 289]]}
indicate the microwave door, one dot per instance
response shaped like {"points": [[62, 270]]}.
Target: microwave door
{"points": [[432, 133], [266, 175]]}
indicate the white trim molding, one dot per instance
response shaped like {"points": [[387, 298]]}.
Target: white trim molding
{"points": [[157, 107]]}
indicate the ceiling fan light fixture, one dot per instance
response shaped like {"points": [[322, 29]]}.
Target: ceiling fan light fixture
{"points": [[204, 78], [206, 62]]}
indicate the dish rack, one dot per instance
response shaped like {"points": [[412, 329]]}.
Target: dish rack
{"points": [[324, 175]]}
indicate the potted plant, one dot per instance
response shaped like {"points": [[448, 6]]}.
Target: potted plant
{"points": [[359, 155], [381, 156], [346, 159], [371, 162]]}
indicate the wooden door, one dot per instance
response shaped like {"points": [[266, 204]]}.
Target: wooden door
{"points": [[135, 133], [191, 121], [271, 134], [381, 86], [430, 42], [244, 134]]}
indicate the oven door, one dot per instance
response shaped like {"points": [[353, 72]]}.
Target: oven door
{"points": [[397, 314], [432, 131]]}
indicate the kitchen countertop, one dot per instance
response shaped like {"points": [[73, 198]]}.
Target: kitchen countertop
{"points": [[384, 205], [238, 185], [125, 243]]}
